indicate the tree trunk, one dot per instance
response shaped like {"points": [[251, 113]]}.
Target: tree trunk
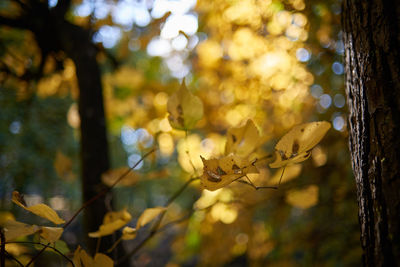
{"points": [[372, 58], [94, 146], [53, 34]]}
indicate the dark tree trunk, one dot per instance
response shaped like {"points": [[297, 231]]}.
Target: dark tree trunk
{"points": [[53, 34], [371, 30], [94, 146]]}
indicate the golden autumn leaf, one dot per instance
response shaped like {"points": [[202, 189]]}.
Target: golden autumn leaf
{"points": [[51, 234], [148, 215], [128, 233], [41, 209], [102, 260], [112, 221], [218, 173], [243, 140], [63, 166], [303, 198], [82, 259], [15, 229], [184, 108], [296, 145], [111, 176]]}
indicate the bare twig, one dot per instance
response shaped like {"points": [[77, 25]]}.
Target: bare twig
{"points": [[156, 228], [14, 259], [44, 247], [2, 248], [106, 190]]}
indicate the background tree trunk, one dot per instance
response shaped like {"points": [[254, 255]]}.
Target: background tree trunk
{"points": [[372, 58], [94, 144], [53, 34]]}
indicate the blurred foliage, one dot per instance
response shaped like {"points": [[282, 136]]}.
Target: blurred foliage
{"points": [[275, 62]]}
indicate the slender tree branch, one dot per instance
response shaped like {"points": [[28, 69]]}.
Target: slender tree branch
{"points": [[37, 255], [44, 247], [19, 23], [156, 228], [2, 248], [106, 190], [180, 190], [14, 259]]}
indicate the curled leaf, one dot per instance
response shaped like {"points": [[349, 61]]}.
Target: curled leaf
{"points": [[296, 145], [51, 234], [148, 215], [243, 140], [15, 229], [112, 222], [184, 108], [128, 233], [82, 259], [41, 209], [102, 260], [218, 173]]}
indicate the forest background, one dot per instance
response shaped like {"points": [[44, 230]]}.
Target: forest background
{"points": [[278, 63]]}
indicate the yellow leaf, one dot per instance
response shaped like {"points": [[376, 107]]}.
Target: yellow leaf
{"points": [[102, 260], [51, 234], [243, 140], [112, 222], [148, 215], [296, 145], [218, 173], [184, 108], [304, 198], [109, 177], [82, 259], [128, 233], [14, 229], [63, 166], [6, 216], [41, 210]]}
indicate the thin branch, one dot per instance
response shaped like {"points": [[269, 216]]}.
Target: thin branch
{"points": [[254, 186], [280, 179], [14, 23], [44, 247], [106, 190], [14, 259], [37, 255], [177, 193], [2, 248], [156, 227], [171, 223]]}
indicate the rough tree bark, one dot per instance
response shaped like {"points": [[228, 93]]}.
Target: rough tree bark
{"points": [[53, 34], [371, 31]]}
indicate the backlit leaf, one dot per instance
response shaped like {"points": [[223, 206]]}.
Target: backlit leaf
{"points": [[243, 140], [102, 260], [184, 108], [15, 229], [148, 215], [51, 234], [128, 233], [218, 173], [112, 222], [41, 210], [296, 145]]}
